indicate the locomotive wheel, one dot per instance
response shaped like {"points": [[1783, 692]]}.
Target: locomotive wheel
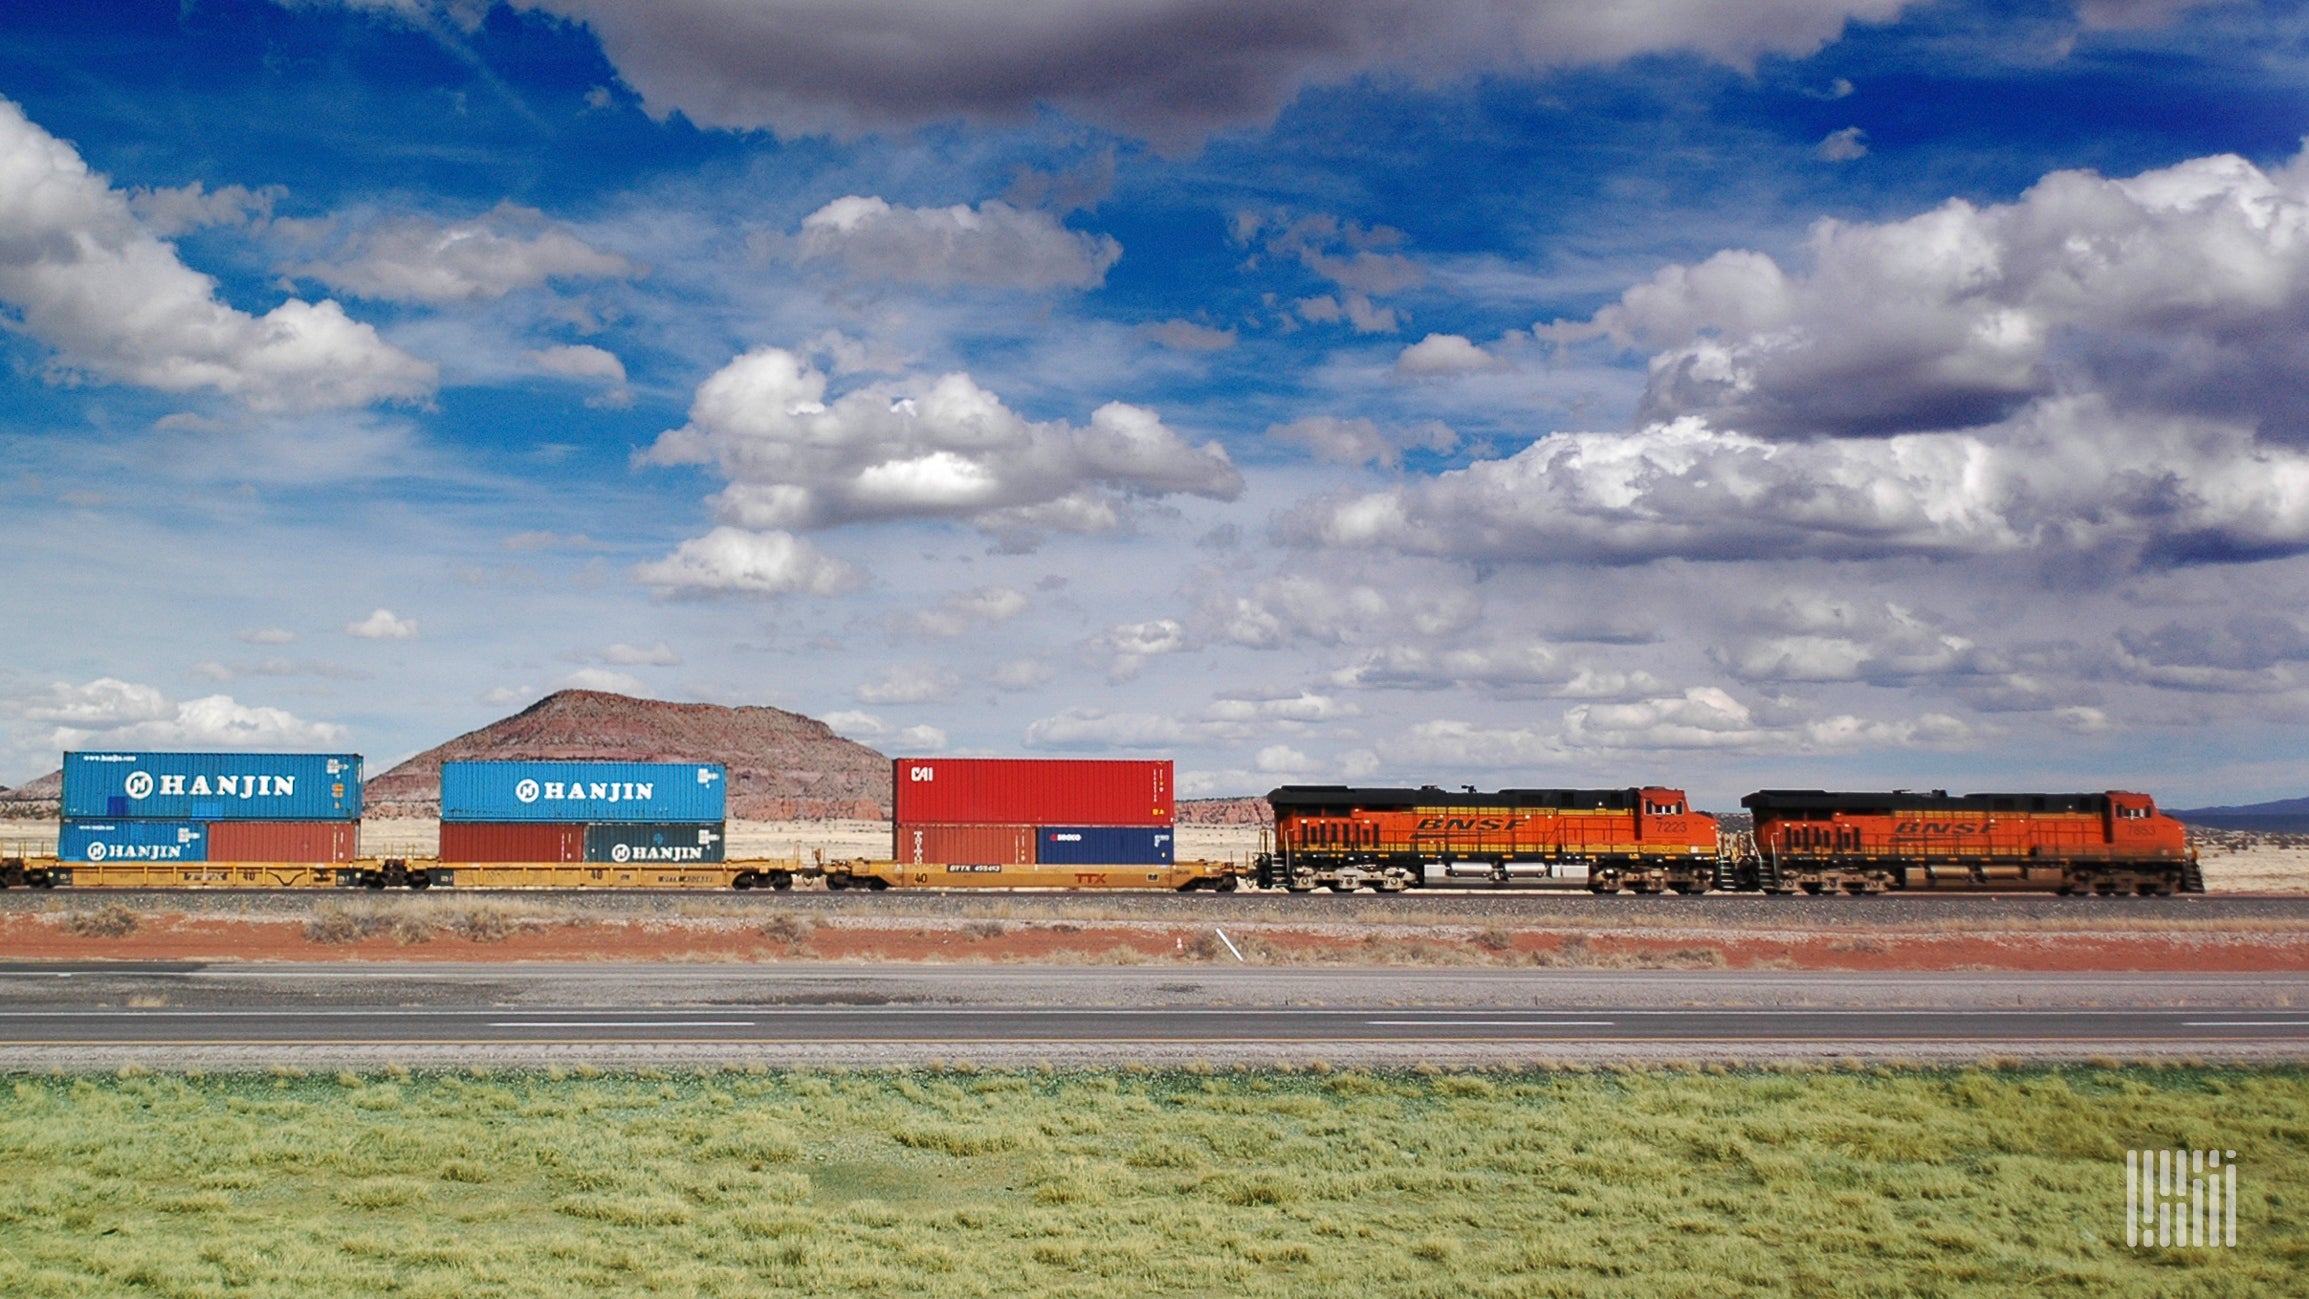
{"points": [[1811, 888]]}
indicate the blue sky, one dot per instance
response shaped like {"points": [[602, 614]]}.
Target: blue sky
{"points": [[1508, 392]]}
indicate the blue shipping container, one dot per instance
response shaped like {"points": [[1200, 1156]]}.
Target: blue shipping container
{"points": [[688, 792], [677, 844], [102, 841], [1103, 845], [114, 786]]}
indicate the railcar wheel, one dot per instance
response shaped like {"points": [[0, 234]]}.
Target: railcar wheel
{"points": [[420, 879], [1227, 884], [837, 882], [875, 884], [781, 880], [742, 881]]}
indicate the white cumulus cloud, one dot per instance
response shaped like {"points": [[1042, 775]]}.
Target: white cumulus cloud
{"points": [[382, 625], [421, 259], [1442, 355], [734, 561], [119, 714], [946, 449], [84, 277], [993, 245]]}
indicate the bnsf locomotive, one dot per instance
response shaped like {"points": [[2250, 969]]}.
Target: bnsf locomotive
{"points": [[1815, 841], [1641, 839]]}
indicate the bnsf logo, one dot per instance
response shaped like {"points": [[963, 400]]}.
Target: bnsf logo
{"points": [[1939, 827], [1430, 823], [921, 775]]}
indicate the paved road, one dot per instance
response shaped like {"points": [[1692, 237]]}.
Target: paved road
{"points": [[191, 1014], [1020, 1025]]}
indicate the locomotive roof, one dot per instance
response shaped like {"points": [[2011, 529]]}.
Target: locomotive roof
{"points": [[1916, 800], [1345, 797]]}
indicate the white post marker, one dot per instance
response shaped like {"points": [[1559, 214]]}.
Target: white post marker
{"points": [[1228, 941]]}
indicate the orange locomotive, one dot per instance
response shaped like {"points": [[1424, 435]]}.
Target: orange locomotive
{"points": [[1817, 841], [1604, 840]]}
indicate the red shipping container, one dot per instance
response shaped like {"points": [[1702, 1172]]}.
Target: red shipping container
{"points": [[963, 845], [283, 841], [479, 841], [1030, 791]]}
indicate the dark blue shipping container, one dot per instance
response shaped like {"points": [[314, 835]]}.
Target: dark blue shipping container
{"points": [[116, 785], [639, 844], [102, 841], [625, 792], [1103, 845]]}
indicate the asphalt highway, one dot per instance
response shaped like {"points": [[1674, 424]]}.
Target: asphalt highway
{"points": [[192, 1015]]}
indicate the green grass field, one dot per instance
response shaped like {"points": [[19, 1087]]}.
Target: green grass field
{"points": [[1619, 1182]]}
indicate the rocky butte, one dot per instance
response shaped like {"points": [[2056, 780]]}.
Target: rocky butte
{"points": [[782, 766]]}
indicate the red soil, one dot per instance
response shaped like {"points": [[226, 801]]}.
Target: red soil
{"points": [[179, 938]]}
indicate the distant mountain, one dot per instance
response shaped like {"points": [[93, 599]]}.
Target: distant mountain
{"points": [[782, 766], [35, 800], [1225, 811], [2285, 816]]}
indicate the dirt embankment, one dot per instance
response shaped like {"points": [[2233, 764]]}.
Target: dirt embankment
{"points": [[814, 926]]}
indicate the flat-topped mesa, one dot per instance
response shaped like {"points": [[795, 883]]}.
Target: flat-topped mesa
{"points": [[782, 766]]}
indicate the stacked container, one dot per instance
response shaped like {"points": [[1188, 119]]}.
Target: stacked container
{"points": [[210, 807], [1031, 811], [670, 813]]}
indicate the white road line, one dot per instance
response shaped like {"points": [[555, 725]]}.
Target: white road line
{"points": [[1488, 1023], [2245, 1023], [622, 1023]]}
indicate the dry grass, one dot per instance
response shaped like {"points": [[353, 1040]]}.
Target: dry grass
{"points": [[112, 920], [1634, 1182], [410, 921]]}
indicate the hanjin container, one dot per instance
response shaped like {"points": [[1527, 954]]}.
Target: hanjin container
{"points": [[974, 845], [1030, 791], [283, 841], [1103, 845], [117, 785], [103, 841], [649, 844], [479, 841], [582, 792]]}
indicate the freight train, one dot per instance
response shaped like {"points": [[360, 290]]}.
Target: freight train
{"points": [[1648, 840], [291, 821]]}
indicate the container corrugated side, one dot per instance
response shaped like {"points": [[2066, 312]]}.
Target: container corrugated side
{"points": [[1031, 791], [114, 785], [582, 792], [1008, 845], [523, 841], [653, 844], [1103, 845], [103, 841], [284, 841]]}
